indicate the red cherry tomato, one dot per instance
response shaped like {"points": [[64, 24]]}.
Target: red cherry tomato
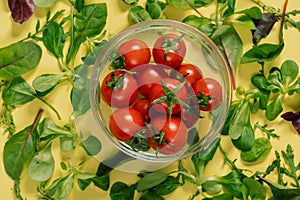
{"points": [[174, 134], [157, 92], [119, 89], [190, 72], [148, 75], [124, 123], [135, 53], [169, 49], [189, 116], [142, 106], [209, 93]]}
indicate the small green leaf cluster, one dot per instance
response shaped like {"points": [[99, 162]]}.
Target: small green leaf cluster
{"points": [[267, 95], [32, 146], [286, 169], [153, 185]]}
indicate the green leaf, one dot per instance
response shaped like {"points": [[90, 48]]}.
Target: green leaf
{"points": [[253, 12], [240, 120], [67, 143], [130, 2], [203, 24], [232, 182], [19, 58], [154, 10], [151, 180], [246, 140], [54, 39], [79, 4], [289, 70], [274, 109], [138, 14], [91, 20], [201, 3], [226, 37], [102, 182], [48, 129], [282, 192], [18, 92], [121, 191], [231, 115], [80, 91], [262, 53], [205, 155], [181, 4], [260, 148], [211, 186], [44, 3], [167, 186], [151, 196], [295, 87], [41, 166], [256, 190], [91, 145], [46, 82], [61, 187], [83, 183], [260, 81], [231, 6], [245, 21], [17, 150], [225, 196]]}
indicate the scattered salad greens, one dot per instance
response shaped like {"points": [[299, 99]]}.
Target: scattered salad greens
{"points": [[83, 25]]}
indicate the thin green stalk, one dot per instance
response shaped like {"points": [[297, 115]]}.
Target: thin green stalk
{"points": [[50, 106]]}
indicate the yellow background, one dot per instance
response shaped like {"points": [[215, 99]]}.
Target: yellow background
{"points": [[117, 21]]}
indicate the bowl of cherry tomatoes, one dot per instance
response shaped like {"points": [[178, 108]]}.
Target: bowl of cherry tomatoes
{"points": [[159, 92]]}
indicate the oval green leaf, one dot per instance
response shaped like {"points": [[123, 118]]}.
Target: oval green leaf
{"points": [[17, 150], [151, 180], [19, 58], [289, 70], [261, 147], [18, 92], [41, 166], [44, 3]]}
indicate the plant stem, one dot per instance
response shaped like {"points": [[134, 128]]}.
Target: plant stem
{"points": [[50, 106]]}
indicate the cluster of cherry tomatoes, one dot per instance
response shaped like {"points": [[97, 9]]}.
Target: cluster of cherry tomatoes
{"points": [[156, 97]]}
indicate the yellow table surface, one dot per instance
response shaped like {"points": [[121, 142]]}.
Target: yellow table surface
{"points": [[117, 21]]}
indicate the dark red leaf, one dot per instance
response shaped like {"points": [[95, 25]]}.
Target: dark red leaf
{"points": [[296, 125], [21, 10], [294, 118], [263, 26]]}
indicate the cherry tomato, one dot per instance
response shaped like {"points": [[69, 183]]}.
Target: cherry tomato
{"points": [[189, 116], [135, 53], [148, 75], [124, 123], [169, 49], [190, 72], [209, 93], [119, 89], [170, 135], [170, 103], [142, 105]]}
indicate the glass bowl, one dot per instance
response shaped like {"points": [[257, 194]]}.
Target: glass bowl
{"points": [[152, 146]]}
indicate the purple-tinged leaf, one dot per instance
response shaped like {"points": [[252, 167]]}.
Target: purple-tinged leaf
{"points": [[294, 118], [21, 10], [263, 26]]}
